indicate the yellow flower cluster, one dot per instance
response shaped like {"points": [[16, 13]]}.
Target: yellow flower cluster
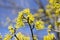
{"points": [[49, 10], [49, 37], [29, 15], [57, 10], [26, 11], [39, 25], [19, 22], [22, 37], [7, 37], [51, 1], [11, 29], [55, 6], [31, 18]]}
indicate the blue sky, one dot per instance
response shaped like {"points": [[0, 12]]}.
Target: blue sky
{"points": [[11, 13]]}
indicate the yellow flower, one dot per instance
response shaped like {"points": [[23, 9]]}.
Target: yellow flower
{"points": [[31, 18], [48, 38], [57, 5], [20, 14], [7, 37], [57, 12], [50, 27], [39, 25], [26, 11], [40, 10], [19, 22], [51, 1], [45, 38], [20, 36], [35, 37], [26, 38], [48, 12], [51, 36], [11, 29], [49, 6], [29, 15]]}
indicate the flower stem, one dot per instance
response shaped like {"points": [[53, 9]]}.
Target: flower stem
{"points": [[30, 29]]}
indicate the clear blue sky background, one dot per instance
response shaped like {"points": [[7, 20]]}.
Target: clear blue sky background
{"points": [[6, 11]]}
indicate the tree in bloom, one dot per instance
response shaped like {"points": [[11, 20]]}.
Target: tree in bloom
{"points": [[23, 17], [27, 16], [53, 12], [34, 21]]}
